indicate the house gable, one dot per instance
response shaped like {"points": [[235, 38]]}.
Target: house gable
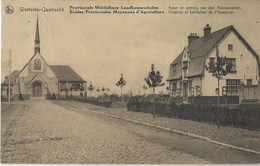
{"points": [[245, 64], [244, 60], [200, 49]]}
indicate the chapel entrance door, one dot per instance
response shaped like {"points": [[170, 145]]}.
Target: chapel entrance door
{"points": [[37, 89]]}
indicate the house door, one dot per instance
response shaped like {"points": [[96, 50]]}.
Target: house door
{"points": [[185, 92], [37, 89]]}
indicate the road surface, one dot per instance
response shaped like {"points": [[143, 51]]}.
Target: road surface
{"points": [[55, 132]]}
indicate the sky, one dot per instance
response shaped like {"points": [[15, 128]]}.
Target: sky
{"points": [[100, 47]]}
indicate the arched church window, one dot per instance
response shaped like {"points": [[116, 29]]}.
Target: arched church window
{"points": [[37, 64]]}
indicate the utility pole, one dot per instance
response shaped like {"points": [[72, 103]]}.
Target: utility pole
{"points": [[9, 80]]}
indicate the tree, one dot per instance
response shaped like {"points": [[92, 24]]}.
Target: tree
{"points": [[121, 83], [218, 68], [103, 90], [76, 87], [154, 79], [91, 87]]}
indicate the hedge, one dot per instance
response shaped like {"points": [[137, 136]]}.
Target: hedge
{"points": [[238, 117], [90, 101]]}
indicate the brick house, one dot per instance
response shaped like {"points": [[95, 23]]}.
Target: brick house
{"points": [[38, 79], [188, 76]]}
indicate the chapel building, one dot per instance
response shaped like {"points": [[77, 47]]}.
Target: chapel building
{"points": [[38, 79]]}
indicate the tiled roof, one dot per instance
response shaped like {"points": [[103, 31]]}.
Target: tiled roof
{"points": [[66, 73], [201, 47], [12, 76], [199, 50]]}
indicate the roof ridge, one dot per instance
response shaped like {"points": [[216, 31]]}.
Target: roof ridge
{"points": [[59, 65], [230, 26]]}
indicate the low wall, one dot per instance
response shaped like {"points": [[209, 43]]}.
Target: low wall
{"points": [[249, 94]]}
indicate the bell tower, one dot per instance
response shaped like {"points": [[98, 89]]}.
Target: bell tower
{"points": [[37, 39]]}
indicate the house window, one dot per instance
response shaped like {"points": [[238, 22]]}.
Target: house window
{"points": [[174, 86], [230, 47], [232, 87], [249, 82], [224, 90], [191, 89], [37, 64], [198, 91], [185, 64], [174, 69], [185, 71], [232, 62], [211, 60], [178, 92], [190, 83]]}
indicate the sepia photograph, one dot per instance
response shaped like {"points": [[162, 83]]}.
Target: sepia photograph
{"points": [[130, 82]]}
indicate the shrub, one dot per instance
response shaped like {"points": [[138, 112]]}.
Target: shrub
{"points": [[238, 117]]}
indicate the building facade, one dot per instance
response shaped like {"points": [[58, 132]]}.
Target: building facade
{"points": [[188, 76], [38, 79]]}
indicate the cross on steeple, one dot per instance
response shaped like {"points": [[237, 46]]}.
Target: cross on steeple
{"points": [[37, 39]]}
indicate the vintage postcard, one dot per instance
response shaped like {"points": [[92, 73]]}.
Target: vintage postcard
{"points": [[130, 82]]}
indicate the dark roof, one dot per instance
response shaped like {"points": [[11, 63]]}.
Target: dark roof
{"points": [[201, 47], [66, 73], [12, 76], [178, 59], [199, 51]]}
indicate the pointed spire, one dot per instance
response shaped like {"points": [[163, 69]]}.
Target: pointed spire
{"points": [[37, 35], [37, 38]]}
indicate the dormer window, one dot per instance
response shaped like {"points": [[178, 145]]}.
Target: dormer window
{"points": [[185, 64], [37, 64], [230, 47]]}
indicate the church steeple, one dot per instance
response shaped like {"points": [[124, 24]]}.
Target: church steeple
{"points": [[37, 39]]}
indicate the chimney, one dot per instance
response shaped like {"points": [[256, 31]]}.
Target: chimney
{"points": [[207, 32], [192, 37], [152, 67]]}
